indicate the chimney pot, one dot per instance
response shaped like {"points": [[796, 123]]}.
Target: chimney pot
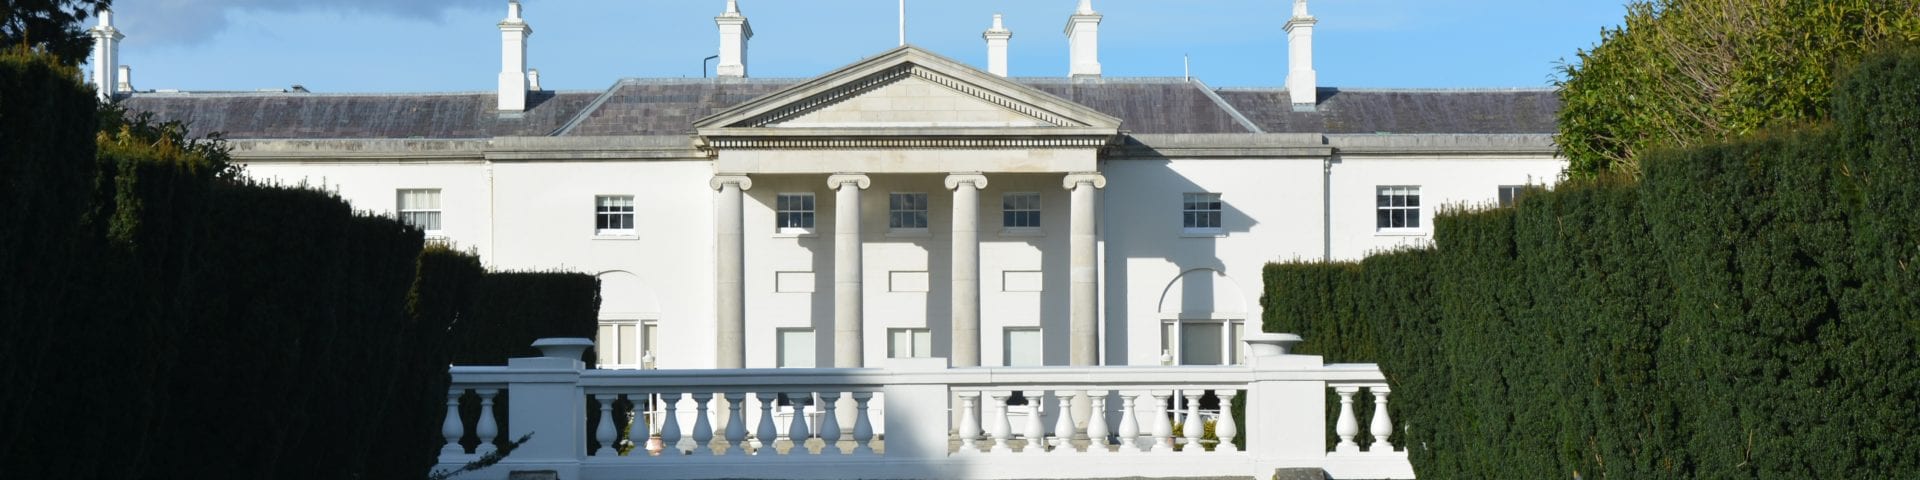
{"points": [[1302, 81], [125, 80], [1083, 41], [513, 60], [735, 31], [997, 38]]}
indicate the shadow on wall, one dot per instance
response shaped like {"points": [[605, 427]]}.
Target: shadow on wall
{"points": [[1201, 290]]}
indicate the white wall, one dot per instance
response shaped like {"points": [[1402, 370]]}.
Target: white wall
{"points": [[539, 215], [1443, 180], [373, 187], [1271, 212]]}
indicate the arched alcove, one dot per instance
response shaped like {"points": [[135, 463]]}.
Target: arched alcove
{"points": [[1202, 312], [629, 321]]}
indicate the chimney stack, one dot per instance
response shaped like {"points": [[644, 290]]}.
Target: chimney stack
{"points": [[1083, 37], [513, 60], [997, 38], [734, 33], [106, 56], [1301, 80], [125, 82], [533, 79]]}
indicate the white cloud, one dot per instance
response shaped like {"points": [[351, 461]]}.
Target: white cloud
{"points": [[186, 22]]}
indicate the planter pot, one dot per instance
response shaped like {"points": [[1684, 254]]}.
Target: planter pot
{"points": [[569, 348]]}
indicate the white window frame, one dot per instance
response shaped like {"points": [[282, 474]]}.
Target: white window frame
{"points": [[784, 209], [1018, 206], [1197, 208], [608, 207], [1406, 194], [1006, 342], [435, 212], [896, 213], [780, 347], [1233, 349], [1508, 194], [646, 333], [920, 343]]}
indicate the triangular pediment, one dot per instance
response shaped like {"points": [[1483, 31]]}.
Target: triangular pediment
{"points": [[909, 88]]}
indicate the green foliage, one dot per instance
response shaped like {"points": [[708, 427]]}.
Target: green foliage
{"points": [[53, 26], [1743, 309], [444, 283], [512, 309], [46, 169], [1691, 72]]}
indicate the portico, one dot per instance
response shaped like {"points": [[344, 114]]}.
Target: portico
{"points": [[902, 119]]}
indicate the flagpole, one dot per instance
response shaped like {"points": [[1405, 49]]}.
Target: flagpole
{"points": [[903, 23]]}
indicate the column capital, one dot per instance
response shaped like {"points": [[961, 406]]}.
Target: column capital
{"points": [[954, 180], [721, 181], [1074, 180], [859, 180]]}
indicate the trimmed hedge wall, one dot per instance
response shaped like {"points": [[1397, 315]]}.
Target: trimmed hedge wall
{"points": [[1745, 310], [159, 319], [512, 309]]}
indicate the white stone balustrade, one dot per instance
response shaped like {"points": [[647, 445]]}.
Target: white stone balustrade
{"points": [[898, 421]]}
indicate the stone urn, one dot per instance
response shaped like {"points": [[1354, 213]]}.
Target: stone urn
{"points": [[568, 348], [1265, 344]]}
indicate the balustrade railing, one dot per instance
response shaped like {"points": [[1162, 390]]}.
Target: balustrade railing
{"points": [[919, 419]]}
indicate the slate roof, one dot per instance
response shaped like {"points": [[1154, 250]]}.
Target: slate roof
{"points": [[304, 115], [1402, 111], [670, 106], [666, 106], [1146, 105]]}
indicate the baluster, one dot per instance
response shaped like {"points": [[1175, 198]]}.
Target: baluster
{"points": [[1382, 424], [766, 433], [1227, 429], [670, 426], [451, 427], [1129, 423], [702, 427], [797, 432], [1162, 423], [1002, 429], [830, 423], [736, 423], [605, 432], [1036, 431], [1097, 422], [969, 423], [1063, 423], [1196, 427], [862, 425], [1348, 426], [488, 430]]}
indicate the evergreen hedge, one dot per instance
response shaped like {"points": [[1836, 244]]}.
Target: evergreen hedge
{"points": [[1749, 309], [512, 309], [161, 319]]}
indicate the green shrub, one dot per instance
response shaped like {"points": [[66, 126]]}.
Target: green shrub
{"points": [[512, 309], [1744, 309]]}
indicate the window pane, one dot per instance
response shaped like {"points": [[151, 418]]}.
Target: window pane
{"points": [[608, 344], [1201, 343], [796, 349], [1382, 220], [627, 354], [1022, 347], [1413, 219]]}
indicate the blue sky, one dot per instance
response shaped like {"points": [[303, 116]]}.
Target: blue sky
{"points": [[453, 45]]}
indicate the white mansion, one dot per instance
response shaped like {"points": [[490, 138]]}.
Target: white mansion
{"points": [[906, 205]]}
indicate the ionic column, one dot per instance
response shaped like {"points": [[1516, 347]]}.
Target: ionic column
{"points": [[848, 347], [966, 267], [730, 271], [1084, 274]]}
